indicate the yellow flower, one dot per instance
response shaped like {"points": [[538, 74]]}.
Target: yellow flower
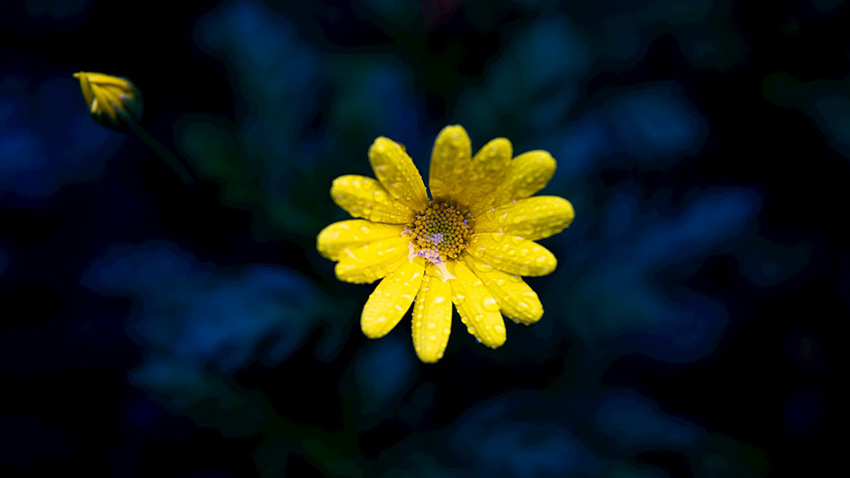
{"points": [[467, 246], [113, 101]]}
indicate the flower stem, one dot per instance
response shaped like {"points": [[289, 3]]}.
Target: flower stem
{"points": [[162, 152]]}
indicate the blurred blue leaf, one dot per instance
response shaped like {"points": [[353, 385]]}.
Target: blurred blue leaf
{"points": [[185, 387], [47, 139], [569, 431], [827, 102], [207, 315], [531, 85], [626, 30], [288, 132], [498, 444], [650, 315], [632, 423], [381, 374]]}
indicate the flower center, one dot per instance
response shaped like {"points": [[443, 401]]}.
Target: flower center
{"points": [[440, 230]]}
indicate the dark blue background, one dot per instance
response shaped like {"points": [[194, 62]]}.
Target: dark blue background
{"points": [[155, 328]]}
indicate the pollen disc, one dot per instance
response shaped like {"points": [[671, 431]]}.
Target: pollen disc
{"points": [[441, 227]]}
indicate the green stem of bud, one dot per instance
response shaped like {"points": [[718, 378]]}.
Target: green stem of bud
{"points": [[162, 152]]}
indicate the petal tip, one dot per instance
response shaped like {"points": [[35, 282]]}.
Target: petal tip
{"points": [[429, 356]]}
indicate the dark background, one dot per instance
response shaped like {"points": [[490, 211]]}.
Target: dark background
{"points": [[156, 328]]}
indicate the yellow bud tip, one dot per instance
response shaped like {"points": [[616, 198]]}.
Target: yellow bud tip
{"points": [[113, 102]]}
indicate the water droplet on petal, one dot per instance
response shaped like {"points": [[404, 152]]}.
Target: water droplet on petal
{"points": [[482, 266]]}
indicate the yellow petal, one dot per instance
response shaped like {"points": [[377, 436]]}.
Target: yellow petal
{"points": [[365, 198], [450, 162], [391, 299], [432, 319], [122, 106], [101, 79], [85, 85], [397, 173], [512, 254], [527, 174], [478, 310], [517, 300], [372, 261], [127, 101], [351, 234], [104, 104], [532, 218], [485, 174]]}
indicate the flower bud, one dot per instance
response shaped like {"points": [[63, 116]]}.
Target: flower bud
{"points": [[113, 101]]}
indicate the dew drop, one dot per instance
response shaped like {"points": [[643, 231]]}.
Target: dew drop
{"points": [[482, 266]]}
